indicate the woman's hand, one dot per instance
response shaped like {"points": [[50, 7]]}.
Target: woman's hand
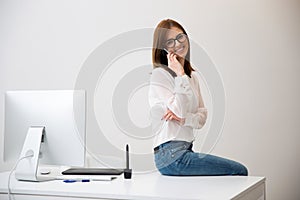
{"points": [[169, 115], [174, 64]]}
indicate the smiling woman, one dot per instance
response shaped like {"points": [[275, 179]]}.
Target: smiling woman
{"points": [[177, 108], [171, 37]]}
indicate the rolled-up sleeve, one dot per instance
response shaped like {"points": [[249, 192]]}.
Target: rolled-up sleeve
{"points": [[198, 117], [196, 120]]}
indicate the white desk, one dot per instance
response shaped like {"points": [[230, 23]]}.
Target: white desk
{"points": [[144, 186]]}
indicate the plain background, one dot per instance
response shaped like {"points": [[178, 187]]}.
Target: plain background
{"points": [[254, 44]]}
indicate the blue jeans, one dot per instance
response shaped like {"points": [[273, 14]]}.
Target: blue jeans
{"points": [[176, 158]]}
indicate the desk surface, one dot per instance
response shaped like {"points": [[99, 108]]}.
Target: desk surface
{"points": [[141, 186]]}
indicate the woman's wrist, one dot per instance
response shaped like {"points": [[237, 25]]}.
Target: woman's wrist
{"points": [[180, 73]]}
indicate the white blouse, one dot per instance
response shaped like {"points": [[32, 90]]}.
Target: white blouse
{"points": [[182, 96]]}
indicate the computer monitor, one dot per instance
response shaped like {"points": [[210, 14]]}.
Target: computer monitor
{"points": [[61, 112]]}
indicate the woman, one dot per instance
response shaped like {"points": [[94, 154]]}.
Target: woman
{"points": [[177, 108]]}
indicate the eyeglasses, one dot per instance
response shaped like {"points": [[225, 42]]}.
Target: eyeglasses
{"points": [[170, 43]]}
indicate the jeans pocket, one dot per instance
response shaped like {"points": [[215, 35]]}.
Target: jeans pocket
{"points": [[169, 153], [179, 148]]}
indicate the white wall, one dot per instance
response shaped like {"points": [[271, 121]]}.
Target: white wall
{"points": [[254, 44]]}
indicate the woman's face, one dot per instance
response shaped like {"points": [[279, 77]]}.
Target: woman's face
{"points": [[176, 41]]}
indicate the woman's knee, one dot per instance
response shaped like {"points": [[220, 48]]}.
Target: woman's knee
{"points": [[244, 171], [241, 170]]}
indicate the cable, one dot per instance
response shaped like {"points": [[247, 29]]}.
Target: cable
{"points": [[13, 169]]}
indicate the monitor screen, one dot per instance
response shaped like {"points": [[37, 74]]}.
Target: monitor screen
{"points": [[61, 112]]}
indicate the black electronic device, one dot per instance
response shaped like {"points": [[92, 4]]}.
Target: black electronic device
{"points": [[92, 171], [101, 171], [127, 171], [165, 52]]}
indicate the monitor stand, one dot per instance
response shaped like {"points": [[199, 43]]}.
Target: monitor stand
{"points": [[28, 162]]}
